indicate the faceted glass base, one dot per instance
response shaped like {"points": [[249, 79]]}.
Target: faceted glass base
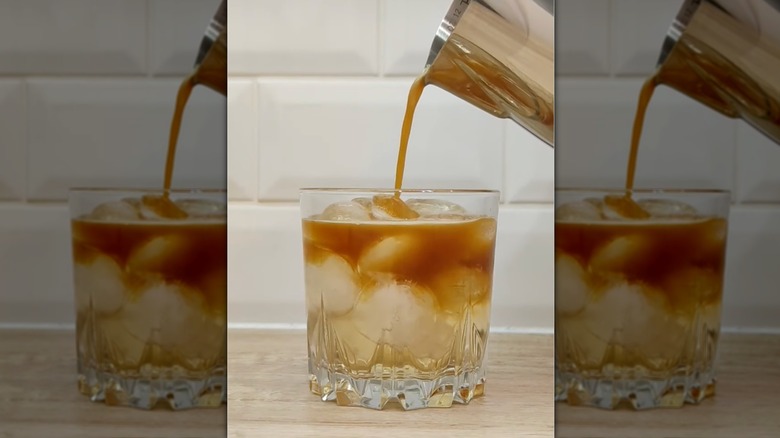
{"points": [[638, 394], [409, 394], [149, 393]]}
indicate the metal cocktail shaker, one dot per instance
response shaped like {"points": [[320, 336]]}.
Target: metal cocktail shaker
{"points": [[499, 56], [211, 62], [726, 54]]}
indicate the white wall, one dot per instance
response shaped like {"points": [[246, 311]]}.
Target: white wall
{"points": [[605, 50], [87, 89], [316, 97]]}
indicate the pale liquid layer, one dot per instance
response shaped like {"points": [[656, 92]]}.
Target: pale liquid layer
{"points": [[151, 296], [399, 301], [638, 305]]}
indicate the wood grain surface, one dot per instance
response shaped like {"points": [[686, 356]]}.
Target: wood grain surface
{"points": [[746, 404], [269, 397], [269, 394], [39, 397]]}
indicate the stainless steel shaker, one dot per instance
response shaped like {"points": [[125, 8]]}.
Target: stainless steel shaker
{"points": [[726, 54], [211, 61], [499, 56]]}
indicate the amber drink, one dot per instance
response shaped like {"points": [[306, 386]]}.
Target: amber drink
{"points": [[639, 280], [398, 290], [150, 275]]}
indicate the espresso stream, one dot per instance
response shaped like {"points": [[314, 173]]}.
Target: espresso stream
{"points": [[210, 73], [406, 128], [639, 119], [185, 89]]}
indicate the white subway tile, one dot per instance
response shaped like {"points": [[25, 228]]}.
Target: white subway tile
{"points": [[13, 151], [115, 133], [529, 167], [638, 31], [750, 296], [582, 34], [683, 143], [71, 37], [346, 133], [758, 161], [176, 28], [35, 256], [242, 140], [265, 271], [270, 37], [524, 277], [265, 264], [408, 31]]}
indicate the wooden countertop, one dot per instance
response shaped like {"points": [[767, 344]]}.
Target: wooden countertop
{"points": [[39, 397], [746, 404], [269, 394]]}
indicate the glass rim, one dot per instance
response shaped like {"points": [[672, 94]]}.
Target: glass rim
{"points": [[645, 191], [402, 191], [145, 190]]}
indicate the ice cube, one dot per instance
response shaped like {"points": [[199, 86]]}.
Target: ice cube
{"points": [[132, 333], [483, 237], [101, 283], [713, 239], [404, 315], [458, 287], [332, 281], [171, 317], [577, 211], [345, 211], [691, 288], [666, 208], [115, 211], [202, 208], [213, 285], [436, 208], [622, 207], [631, 314], [389, 207], [571, 287], [629, 252], [163, 253], [157, 207], [188, 329], [391, 254], [365, 202]]}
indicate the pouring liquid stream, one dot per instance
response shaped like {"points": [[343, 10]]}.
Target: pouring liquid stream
{"points": [[406, 128], [210, 73], [645, 94], [183, 95]]}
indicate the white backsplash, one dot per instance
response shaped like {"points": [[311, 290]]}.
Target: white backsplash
{"points": [[316, 97], [87, 89], [606, 49]]}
